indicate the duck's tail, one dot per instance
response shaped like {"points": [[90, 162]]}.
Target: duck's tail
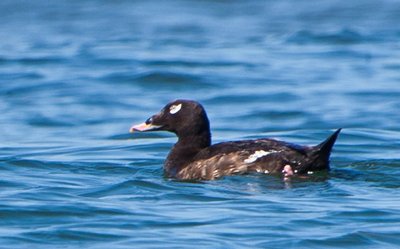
{"points": [[320, 154]]}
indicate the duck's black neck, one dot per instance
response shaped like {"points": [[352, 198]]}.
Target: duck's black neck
{"points": [[200, 140], [185, 149]]}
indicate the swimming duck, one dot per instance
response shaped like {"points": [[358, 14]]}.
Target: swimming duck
{"points": [[194, 158]]}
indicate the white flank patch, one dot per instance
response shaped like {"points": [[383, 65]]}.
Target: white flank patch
{"points": [[258, 154], [175, 108], [310, 172]]}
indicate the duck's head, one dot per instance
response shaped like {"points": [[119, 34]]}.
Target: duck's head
{"points": [[182, 117]]}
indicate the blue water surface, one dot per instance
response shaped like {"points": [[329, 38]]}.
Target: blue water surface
{"points": [[75, 75]]}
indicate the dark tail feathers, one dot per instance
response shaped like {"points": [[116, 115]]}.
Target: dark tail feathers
{"points": [[319, 154]]}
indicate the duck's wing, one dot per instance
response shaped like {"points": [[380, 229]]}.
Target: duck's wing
{"points": [[240, 157]]}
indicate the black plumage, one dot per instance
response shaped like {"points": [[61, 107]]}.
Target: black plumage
{"points": [[194, 158]]}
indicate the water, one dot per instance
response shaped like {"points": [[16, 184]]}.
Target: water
{"points": [[74, 76]]}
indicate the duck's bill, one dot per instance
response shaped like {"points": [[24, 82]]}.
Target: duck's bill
{"points": [[144, 127]]}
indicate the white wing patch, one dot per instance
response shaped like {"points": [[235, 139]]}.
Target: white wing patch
{"points": [[258, 154], [175, 108]]}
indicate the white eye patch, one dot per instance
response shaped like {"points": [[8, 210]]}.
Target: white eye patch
{"points": [[175, 108]]}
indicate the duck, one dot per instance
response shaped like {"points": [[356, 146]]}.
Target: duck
{"points": [[194, 157]]}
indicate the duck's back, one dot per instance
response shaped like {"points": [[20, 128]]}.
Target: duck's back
{"points": [[239, 157]]}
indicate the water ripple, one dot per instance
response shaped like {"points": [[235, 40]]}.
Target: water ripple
{"points": [[76, 75], [343, 37]]}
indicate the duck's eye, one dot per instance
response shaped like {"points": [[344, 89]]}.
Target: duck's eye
{"points": [[175, 108], [149, 120]]}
